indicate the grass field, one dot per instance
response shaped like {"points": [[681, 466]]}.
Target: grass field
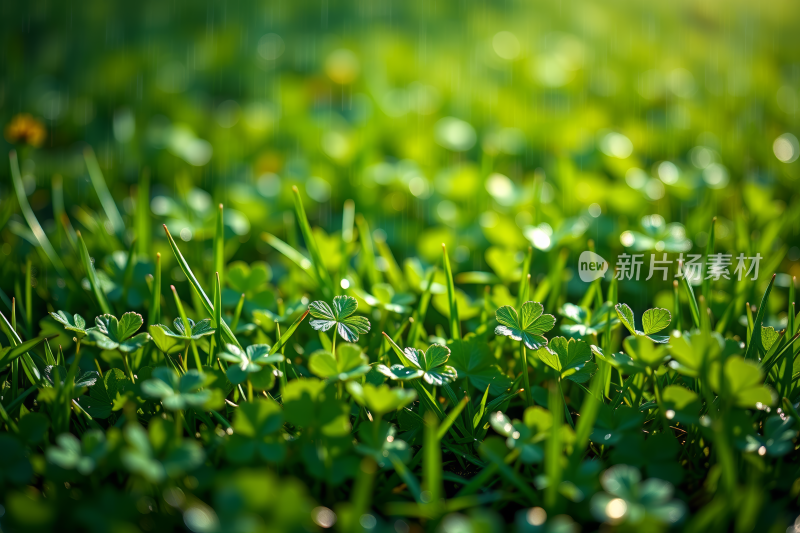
{"points": [[401, 267]]}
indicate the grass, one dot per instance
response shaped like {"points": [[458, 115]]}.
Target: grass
{"points": [[518, 427]]}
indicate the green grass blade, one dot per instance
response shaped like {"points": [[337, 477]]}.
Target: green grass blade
{"points": [[393, 271], [100, 187], [30, 368], [226, 331], [553, 455], [311, 244], [33, 223], [219, 247], [154, 316], [432, 461], [348, 218], [687, 288], [455, 324], [284, 338], [450, 418], [293, 255], [422, 310], [705, 287], [525, 280], [20, 349], [218, 321], [92, 275], [368, 250], [142, 215], [755, 338]]}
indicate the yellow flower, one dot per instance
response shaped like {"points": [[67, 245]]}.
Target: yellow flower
{"points": [[23, 128]]}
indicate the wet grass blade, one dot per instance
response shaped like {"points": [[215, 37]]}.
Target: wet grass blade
{"points": [[455, 324], [311, 244], [33, 223], [100, 187], [687, 288], [91, 273], [218, 321], [393, 271], [226, 331]]}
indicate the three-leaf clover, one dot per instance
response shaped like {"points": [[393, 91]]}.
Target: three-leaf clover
{"points": [[256, 432], [587, 322], [380, 399], [473, 360], [113, 334], [653, 321], [628, 499], [529, 326], [570, 358], [170, 342], [432, 364], [247, 361], [176, 392], [154, 456], [341, 316], [74, 323], [57, 375], [81, 455], [350, 362]]}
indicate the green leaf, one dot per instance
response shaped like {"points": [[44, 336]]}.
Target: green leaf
{"points": [[380, 399], [100, 401], [654, 320], [432, 363], [528, 327], [74, 323], [256, 427], [743, 382], [349, 327], [570, 358], [165, 340], [625, 314], [472, 360]]}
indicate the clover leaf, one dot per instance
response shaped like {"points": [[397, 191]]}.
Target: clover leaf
{"points": [[777, 440], [529, 326], [570, 358], [102, 398], [587, 322], [527, 436], [176, 392], [383, 444], [432, 363], [350, 363], [56, 376], [247, 361], [400, 372], [380, 399], [80, 455], [113, 334], [653, 321], [154, 456], [170, 342], [341, 315], [74, 323], [256, 432], [627, 499], [742, 382], [472, 360]]}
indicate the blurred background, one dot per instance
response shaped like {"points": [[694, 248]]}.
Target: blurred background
{"points": [[489, 126]]}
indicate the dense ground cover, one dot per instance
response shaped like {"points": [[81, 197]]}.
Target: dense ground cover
{"points": [[287, 267]]}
